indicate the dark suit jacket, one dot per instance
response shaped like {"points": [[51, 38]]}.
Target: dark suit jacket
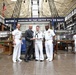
{"points": [[28, 36]]}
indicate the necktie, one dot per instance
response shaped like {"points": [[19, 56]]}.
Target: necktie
{"points": [[36, 35]]}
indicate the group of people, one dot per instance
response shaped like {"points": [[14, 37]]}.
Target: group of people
{"points": [[34, 43]]}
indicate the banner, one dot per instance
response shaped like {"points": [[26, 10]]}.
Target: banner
{"points": [[14, 20]]}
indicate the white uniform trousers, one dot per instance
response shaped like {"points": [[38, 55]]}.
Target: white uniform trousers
{"points": [[39, 51], [17, 50], [49, 49]]}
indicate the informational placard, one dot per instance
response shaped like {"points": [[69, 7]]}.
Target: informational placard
{"points": [[15, 20], [4, 34]]}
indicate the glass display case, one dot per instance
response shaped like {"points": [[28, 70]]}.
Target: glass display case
{"points": [[6, 41], [63, 35], [64, 39], [5, 35]]}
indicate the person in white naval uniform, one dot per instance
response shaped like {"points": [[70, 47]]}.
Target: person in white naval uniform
{"points": [[74, 38], [17, 43], [38, 44], [49, 35]]}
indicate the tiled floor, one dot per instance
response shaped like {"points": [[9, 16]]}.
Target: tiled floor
{"points": [[63, 64]]}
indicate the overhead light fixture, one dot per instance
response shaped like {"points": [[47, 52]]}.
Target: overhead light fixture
{"points": [[21, 14], [13, 0], [45, 0], [24, 1]]}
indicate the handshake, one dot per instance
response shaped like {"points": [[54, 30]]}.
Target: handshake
{"points": [[33, 38], [36, 38]]}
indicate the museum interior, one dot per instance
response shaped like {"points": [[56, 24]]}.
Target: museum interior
{"points": [[60, 15]]}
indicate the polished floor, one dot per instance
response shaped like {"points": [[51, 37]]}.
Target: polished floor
{"points": [[63, 64]]}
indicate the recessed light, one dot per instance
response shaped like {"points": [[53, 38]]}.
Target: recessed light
{"points": [[13, 0]]}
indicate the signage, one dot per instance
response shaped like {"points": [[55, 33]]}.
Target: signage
{"points": [[15, 20]]}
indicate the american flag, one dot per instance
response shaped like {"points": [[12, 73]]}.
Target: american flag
{"points": [[3, 8]]}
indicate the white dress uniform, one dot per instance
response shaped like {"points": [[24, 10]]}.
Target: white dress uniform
{"points": [[49, 43], [17, 48], [38, 46], [74, 38]]}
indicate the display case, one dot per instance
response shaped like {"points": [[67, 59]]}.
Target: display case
{"points": [[63, 40], [4, 35], [6, 41]]}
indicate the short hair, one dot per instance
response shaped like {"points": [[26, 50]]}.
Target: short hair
{"points": [[38, 26], [47, 26], [17, 23]]}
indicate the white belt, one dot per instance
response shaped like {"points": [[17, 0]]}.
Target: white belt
{"points": [[18, 39], [48, 40]]}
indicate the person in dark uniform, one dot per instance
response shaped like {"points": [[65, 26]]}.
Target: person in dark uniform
{"points": [[29, 43]]}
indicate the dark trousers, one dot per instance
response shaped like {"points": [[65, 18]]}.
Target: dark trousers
{"points": [[29, 51]]}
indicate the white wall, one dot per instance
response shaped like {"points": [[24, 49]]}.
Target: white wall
{"points": [[25, 26]]}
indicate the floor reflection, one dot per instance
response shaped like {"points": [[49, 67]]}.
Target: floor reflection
{"points": [[17, 69]]}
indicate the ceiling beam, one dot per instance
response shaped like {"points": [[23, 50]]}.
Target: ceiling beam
{"points": [[53, 9]]}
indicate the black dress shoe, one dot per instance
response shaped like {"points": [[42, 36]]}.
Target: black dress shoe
{"points": [[36, 60], [41, 60], [26, 60]]}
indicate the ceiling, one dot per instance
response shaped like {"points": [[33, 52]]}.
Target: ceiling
{"points": [[48, 7]]}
